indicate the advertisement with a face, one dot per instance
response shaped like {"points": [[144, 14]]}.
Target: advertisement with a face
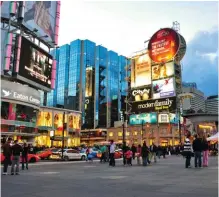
{"points": [[163, 88], [141, 71], [41, 15], [161, 71], [74, 121], [35, 64], [164, 45], [44, 119], [167, 104], [136, 119], [141, 94]]}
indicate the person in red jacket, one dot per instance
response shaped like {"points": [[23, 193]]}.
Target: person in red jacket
{"points": [[128, 156]]}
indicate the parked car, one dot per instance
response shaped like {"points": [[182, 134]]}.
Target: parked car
{"points": [[68, 154], [32, 158], [45, 154]]}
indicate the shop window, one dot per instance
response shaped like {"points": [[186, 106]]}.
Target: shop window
{"points": [[120, 134], [111, 134]]}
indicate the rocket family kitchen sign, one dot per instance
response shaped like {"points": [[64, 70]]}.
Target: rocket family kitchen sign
{"points": [[166, 104]]}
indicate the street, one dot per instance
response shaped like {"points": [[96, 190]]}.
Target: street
{"points": [[167, 178]]}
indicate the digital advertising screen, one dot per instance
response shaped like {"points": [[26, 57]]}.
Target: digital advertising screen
{"points": [[174, 119], [89, 82], [5, 9], [164, 45], [74, 121], [44, 119], [164, 104], [58, 120], [136, 119], [141, 94], [163, 88], [163, 118], [161, 71], [141, 71], [41, 15], [35, 63]]}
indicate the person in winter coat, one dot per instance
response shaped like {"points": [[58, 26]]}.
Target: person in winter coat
{"points": [[188, 151], [198, 148], [7, 154], [138, 154], [145, 154]]}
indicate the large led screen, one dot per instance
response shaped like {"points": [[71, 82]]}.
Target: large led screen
{"points": [[44, 119], [164, 45], [35, 64], [143, 118], [41, 15], [74, 121], [141, 94], [141, 71], [162, 71], [163, 88]]}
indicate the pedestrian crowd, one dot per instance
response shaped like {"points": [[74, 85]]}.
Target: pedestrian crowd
{"points": [[198, 148], [12, 155]]}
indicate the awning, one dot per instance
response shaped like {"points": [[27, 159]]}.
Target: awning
{"points": [[213, 137]]}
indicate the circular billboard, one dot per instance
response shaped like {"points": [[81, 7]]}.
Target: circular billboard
{"points": [[164, 45]]}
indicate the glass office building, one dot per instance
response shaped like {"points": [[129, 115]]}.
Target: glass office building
{"points": [[90, 79]]}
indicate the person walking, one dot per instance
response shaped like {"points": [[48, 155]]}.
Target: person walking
{"points": [[25, 151], [103, 152], [197, 147], [134, 150], [128, 156], [144, 154], [112, 153], [159, 151], [153, 150], [7, 154], [188, 151], [138, 154], [16, 152], [205, 152]]}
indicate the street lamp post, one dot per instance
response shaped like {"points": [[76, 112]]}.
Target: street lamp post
{"points": [[63, 136]]}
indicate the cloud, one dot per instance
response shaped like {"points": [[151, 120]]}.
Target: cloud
{"points": [[200, 63]]}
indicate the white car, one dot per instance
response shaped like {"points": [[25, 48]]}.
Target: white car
{"points": [[68, 154]]}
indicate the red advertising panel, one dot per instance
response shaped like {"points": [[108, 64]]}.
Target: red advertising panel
{"points": [[163, 45]]}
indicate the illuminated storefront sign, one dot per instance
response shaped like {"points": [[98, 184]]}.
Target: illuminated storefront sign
{"points": [[155, 105], [15, 91], [164, 45], [44, 119], [161, 71]]}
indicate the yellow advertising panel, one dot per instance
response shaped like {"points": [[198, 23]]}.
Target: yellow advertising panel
{"points": [[44, 119], [162, 71], [141, 71], [58, 120], [74, 121], [89, 82]]}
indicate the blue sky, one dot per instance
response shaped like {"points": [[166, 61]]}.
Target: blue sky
{"points": [[124, 26]]}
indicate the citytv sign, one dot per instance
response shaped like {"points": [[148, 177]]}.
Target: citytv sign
{"points": [[15, 91]]}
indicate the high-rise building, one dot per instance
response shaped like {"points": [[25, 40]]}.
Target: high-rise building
{"points": [[90, 79], [212, 104], [197, 103], [189, 84]]}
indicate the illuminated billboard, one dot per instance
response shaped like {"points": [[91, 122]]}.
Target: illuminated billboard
{"points": [[161, 71], [167, 104], [44, 119], [74, 121], [141, 94], [41, 16], [89, 82], [141, 71], [143, 118], [163, 88], [163, 118], [35, 63], [164, 45]]}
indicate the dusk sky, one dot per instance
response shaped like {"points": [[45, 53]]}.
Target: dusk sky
{"points": [[123, 26]]}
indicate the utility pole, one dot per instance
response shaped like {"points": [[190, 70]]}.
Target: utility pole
{"points": [[63, 132]]}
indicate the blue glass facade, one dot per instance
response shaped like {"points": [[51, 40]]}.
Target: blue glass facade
{"points": [[90, 79]]}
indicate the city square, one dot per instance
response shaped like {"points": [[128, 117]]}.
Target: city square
{"points": [[109, 98], [166, 178]]}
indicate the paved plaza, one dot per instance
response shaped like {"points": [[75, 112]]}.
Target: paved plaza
{"points": [[167, 178]]}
